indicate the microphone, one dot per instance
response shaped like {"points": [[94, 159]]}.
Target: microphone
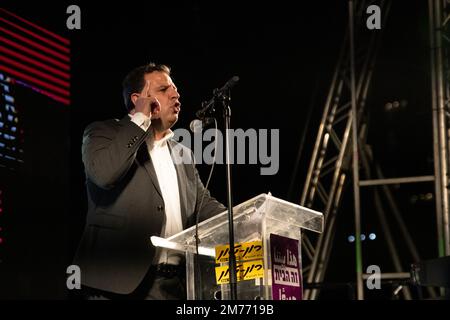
{"points": [[227, 86], [217, 93], [197, 125]]}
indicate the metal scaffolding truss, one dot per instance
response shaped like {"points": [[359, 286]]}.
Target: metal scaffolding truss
{"points": [[339, 149], [331, 155], [439, 25]]}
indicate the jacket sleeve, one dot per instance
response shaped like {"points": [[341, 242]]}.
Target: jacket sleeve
{"points": [[108, 150]]}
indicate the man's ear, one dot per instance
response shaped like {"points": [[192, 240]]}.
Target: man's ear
{"points": [[134, 97]]}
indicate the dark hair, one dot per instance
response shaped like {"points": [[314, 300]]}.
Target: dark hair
{"points": [[134, 81]]}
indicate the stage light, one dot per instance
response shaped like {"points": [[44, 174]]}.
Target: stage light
{"points": [[372, 236], [363, 237], [351, 239], [395, 105], [34, 57]]}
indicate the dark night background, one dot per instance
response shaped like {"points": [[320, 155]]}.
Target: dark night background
{"points": [[283, 52]]}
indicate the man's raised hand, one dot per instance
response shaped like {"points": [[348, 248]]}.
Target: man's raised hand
{"points": [[147, 104]]}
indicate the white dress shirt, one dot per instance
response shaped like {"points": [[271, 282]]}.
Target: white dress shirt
{"points": [[168, 183]]}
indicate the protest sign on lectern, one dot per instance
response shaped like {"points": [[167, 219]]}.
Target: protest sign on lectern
{"points": [[267, 233]]}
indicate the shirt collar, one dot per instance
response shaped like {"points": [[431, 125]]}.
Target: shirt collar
{"points": [[162, 142]]}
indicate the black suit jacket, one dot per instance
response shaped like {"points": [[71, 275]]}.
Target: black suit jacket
{"points": [[125, 205]]}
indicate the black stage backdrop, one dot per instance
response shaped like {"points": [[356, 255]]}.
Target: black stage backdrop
{"points": [[284, 54]]}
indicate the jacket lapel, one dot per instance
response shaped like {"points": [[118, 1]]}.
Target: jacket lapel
{"points": [[182, 183], [144, 159]]}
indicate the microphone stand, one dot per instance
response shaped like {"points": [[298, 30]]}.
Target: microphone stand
{"points": [[221, 98], [224, 100]]}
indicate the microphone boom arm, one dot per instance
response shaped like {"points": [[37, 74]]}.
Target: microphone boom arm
{"points": [[208, 106]]}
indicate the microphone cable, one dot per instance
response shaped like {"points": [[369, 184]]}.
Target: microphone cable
{"points": [[197, 240]]}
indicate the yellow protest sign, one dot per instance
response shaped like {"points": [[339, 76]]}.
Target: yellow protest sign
{"points": [[243, 251], [244, 271]]}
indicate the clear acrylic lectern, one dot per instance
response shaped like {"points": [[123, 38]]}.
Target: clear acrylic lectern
{"points": [[273, 275]]}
